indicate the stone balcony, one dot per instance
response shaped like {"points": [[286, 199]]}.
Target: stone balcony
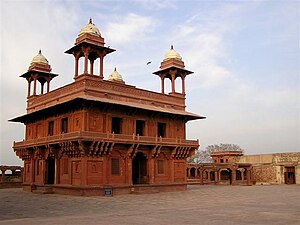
{"points": [[107, 137]]}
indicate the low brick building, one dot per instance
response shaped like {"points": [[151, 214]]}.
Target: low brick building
{"points": [[97, 133], [236, 168], [277, 168]]}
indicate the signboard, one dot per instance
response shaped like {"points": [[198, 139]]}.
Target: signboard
{"points": [[108, 191]]}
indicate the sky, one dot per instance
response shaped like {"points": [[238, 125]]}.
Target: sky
{"points": [[244, 55]]}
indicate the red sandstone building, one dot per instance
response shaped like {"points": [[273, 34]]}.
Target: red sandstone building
{"points": [[225, 169], [97, 132]]}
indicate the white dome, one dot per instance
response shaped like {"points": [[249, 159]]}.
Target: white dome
{"points": [[172, 54], [39, 58], [115, 76], [90, 28]]}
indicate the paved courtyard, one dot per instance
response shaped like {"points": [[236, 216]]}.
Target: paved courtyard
{"points": [[199, 205]]}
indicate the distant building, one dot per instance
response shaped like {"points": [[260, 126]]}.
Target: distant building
{"points": [[96, 134], [278, 168], [235, 168], [225, 169]]}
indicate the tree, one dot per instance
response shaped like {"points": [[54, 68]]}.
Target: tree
{"points": [[203, 156]]}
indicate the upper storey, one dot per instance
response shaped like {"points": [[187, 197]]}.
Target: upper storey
{"points": [[91, 86]]}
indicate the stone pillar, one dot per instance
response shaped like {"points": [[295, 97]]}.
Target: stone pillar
{"points": [[29, 85], [173, 81], [42, 88], [57, 171], [162, 84], [216, 177], [201, 175], [76, 66], [242, 174], [129, 171], [32, 165], [208, 175], [248, 176], [183, 85], [84, 171], [34, 85], [48, 85], [151, 167], [101, 66], [233, 177], [86, 60], [92, 67], [172, 168]]}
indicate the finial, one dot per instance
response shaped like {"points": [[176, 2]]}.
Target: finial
{"points": [[115, 69], [172, 47], [40, 51], [90, 21]]}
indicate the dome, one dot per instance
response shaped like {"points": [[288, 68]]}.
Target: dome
{"points": [[39, 58], [90, 28], [172, 54], [115, 76]]}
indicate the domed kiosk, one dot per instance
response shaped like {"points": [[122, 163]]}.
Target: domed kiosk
{"points": [[90, 45], [172, 67], [39, 70]]}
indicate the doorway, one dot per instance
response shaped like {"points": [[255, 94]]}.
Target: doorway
{"points": [[289, 175], [139, 169], [50, 170]]}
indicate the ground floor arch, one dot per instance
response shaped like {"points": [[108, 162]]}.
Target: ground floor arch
{"points": [[50, 170], [139, 169]]}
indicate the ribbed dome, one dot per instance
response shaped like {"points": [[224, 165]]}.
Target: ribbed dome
{"points": [[39, 58], [115, 76], [172, 54], [90, 28]]}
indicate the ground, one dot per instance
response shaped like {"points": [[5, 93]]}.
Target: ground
{"points": [[208, 204]]}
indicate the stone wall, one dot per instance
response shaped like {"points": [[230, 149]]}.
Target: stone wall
{"points": [[271, 168]]}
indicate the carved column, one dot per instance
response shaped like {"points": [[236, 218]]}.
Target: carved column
{"points": [[171, 163], [188, 172], [151, 170], [162, 84], [48, 84], [101, 66], [42, 88], [216, 177], [76, 65], [233, 176], [183, 85], [173, 73], [248, 176], [29, 79], [84, 171], [242, 174], [201, 175], [86, 60], [34, 84], [57, 170], [128, 170], [92, 67], [32, 165]]}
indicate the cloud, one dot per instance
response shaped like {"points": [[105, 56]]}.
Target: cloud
{"points": [[157, 4], [132, 28]]}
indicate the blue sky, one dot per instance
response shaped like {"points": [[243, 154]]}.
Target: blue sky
{"points": [[244, 54]]}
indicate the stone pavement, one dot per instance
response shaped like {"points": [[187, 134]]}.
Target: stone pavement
{"points": [[208, 204]]}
